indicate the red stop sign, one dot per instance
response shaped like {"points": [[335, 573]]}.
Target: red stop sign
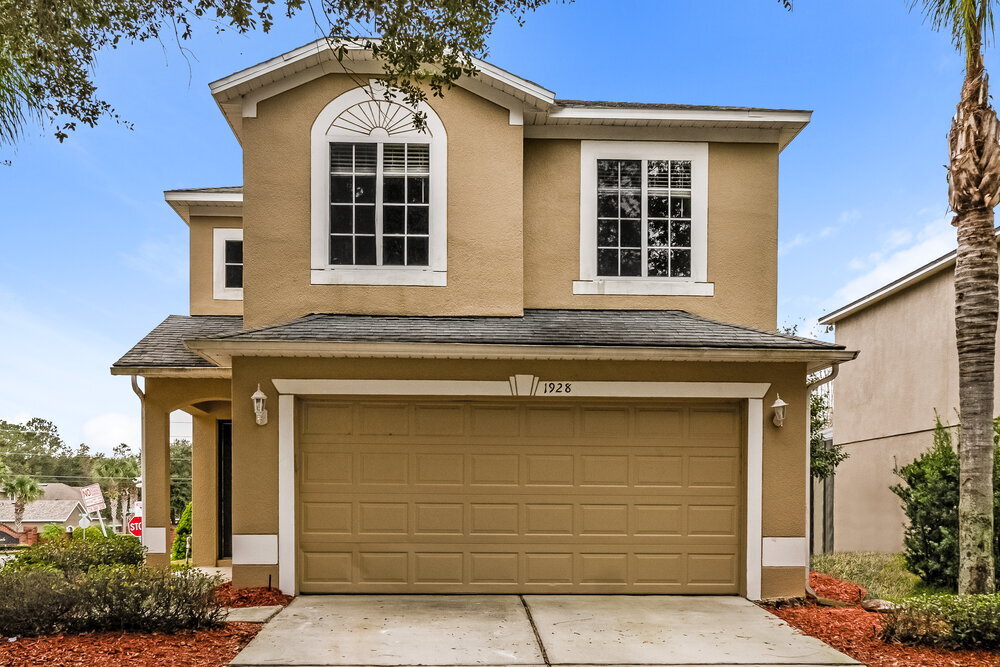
{"points": [[135, 526]]}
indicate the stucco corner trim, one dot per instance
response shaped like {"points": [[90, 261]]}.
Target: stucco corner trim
{"points": [[155, 540], [286, 499], [784, 552], [255, 549], [755, 491]]}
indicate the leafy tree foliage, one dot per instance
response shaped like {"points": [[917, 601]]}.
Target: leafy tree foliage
{"points": [[35, 448], [180, 478], [49, 48], [823, 458]]}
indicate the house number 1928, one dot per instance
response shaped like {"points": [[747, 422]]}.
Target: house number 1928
{"points": [[557, 387]]}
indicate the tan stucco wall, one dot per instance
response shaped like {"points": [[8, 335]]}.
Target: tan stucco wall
{"points": [[255, 448], [203, 301], [742, 233], [884, 404], [867, 515], [484, 213]]}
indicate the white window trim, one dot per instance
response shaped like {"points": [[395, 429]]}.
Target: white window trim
{"points": [[219, 237], [590, 282], [322, 133]]}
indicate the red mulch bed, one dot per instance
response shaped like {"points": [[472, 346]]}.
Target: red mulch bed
{"points": [[854, 631], [250, 597], [207, 648]]}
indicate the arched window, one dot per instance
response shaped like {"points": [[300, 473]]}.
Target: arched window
{"points": [[379, 193]]}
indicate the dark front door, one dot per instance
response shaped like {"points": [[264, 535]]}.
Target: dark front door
{"points": [[225, 488]]}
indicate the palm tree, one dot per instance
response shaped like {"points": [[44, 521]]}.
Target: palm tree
{"points": [[17, 106], [973, 192], [22, 490]]}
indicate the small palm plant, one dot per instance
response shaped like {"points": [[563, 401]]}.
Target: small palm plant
{"points": [[21, 489]]}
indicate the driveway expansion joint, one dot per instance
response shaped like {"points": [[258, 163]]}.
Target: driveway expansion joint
{"points": [[534, 629]]}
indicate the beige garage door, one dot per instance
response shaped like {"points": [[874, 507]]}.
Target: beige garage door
{"points": [[518, 496]]}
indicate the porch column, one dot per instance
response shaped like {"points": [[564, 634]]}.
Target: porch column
{"points": [[156, 483], [204, 491]]}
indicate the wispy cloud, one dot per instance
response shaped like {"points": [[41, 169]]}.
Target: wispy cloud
{"points": [[900, 253], [844, 218], [163, 261]]}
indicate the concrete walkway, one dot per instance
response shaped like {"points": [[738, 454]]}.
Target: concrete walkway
{"points": [[536, 630]]}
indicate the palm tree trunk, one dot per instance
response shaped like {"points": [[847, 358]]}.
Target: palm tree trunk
{"points": [[974, 174], [18, 516]]}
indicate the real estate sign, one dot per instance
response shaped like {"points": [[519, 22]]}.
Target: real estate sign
{"points": [[93, 499]]}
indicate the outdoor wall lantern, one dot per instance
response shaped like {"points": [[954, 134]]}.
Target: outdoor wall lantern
{"points": [[259, 401], [779, 412]]}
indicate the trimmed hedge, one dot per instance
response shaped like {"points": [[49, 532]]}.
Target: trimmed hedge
{"points": [[948, 621], [42, 600]]}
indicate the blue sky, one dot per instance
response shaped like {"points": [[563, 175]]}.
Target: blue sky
{"points": [[92, 258]]}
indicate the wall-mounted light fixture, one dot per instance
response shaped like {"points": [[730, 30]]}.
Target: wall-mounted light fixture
{"points": [[779, 412], [259, 402]]}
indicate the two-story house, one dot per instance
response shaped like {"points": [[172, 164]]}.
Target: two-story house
{"points": [[529, 348]]}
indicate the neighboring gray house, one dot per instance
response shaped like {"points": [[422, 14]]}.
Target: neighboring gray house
{"points": [[41, 512]]}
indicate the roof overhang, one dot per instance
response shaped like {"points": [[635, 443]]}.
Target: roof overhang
{"points": [[187, 203], [174, 371], [221, 352], [752, 125], [529, 104], [238, 94]]}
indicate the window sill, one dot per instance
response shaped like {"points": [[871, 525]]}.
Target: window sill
{"points": [[644, 287], [228, 294], [379, 276]]}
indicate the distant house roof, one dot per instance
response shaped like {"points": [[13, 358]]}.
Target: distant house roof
{"points": [[170, 343], [60, 491], [41, 511]]}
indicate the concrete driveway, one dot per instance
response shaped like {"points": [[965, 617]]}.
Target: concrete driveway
{"points": [[564, 630]]}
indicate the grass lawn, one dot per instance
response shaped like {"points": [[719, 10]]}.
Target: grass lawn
{"points": [[883, 574]]}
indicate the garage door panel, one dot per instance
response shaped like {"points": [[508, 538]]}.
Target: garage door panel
{"points": [[451, 496], [494, 568]]}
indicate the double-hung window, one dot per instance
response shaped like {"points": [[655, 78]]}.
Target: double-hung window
{"points": [[643, 218], [379, 198], [379, 204], [227, 257]]}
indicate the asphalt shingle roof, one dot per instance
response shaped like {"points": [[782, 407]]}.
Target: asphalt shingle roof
{"points": [[164, 345], [39, 511], [615, 328]]}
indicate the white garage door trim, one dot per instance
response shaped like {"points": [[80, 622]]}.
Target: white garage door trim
{"points": [[517, 385]]}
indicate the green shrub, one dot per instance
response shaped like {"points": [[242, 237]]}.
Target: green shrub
{"points": [[949, 621], [52, 531], [929, 493], [179, 549], [35, 600], [79, 555], [41, 600]]}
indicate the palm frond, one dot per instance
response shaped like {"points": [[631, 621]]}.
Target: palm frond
{"points": [[968, 21], [16, 107]]}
